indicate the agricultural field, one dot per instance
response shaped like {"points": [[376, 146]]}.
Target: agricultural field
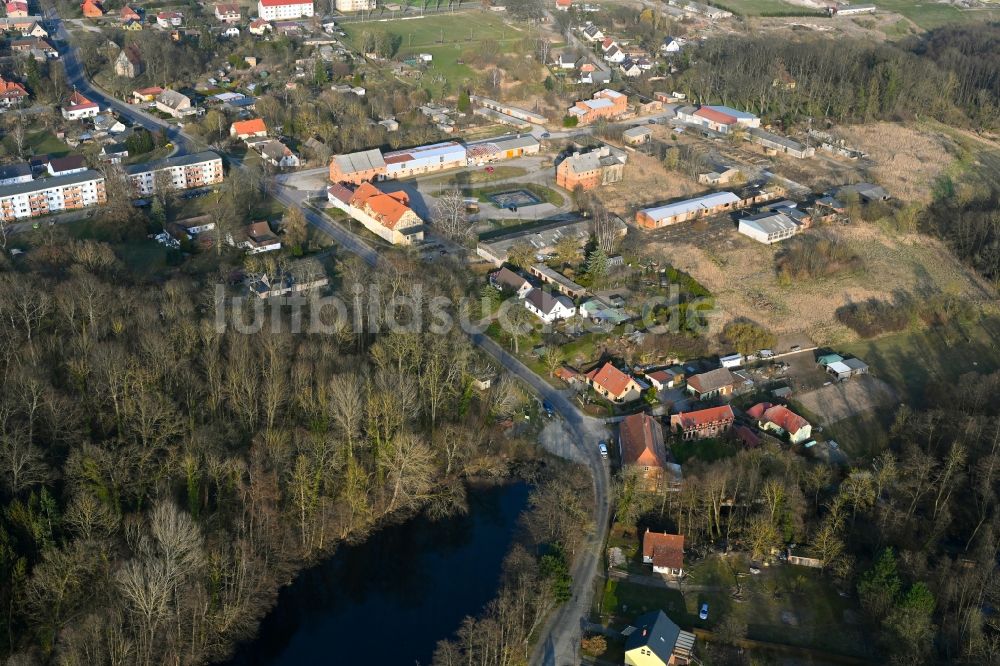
{"points": [[929, 15], [451, 39], [766, 8]]}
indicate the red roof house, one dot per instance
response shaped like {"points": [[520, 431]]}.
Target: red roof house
{"points": [[613, 384], [244, 129], [12, 93], [92, 9], [664, 551], [703, 423], [780, 420]]}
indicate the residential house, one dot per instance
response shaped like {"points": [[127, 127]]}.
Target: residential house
{"points": [[78, 107], [169, 19], [654, 640], [844, 369], [387, 215], [671, 45], [613, 384], [703, 423], [566, 61], [665, 552], [174, 104], [640, 444], [598, 78], [301, 276], [781, 420], [769, 227], [275, 10], [278, 155], [607, 44], [548, 307], [114, 152], [16, 9], [600, 311], [146, 94], [107, 123], [12, 93], [563, 5], [180, 173], [543, 238], [689, 209], [607, 104], [722, 119], [507, 280], [615, 55], [231, 32], [666, 378], [129, 13], [630, 68], [129, 62], [594, 168], [37, 30], [246, 129], [228, 12], [132, 26], [64, 166], [12, 174], [51, 195], [636, 136], [259, 27], [592, 33], [712, 383], [92, 9], [258, 238]]}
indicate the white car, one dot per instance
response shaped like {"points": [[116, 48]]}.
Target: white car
{"points": [[603, 448]]}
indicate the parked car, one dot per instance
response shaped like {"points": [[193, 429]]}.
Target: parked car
{"points": [[603, 448], [547, 406], [703, 613]]}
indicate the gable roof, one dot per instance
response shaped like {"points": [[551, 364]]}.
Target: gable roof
{"points": [[687, 206], [613, 380], [666, 550], [641, 438], [78, 101], [67, 163], [703, 417], [252, 126], [173, 99], [655, 631], [387, 208], [508, 278], [545, 301], [712, 380], [784, 418]]}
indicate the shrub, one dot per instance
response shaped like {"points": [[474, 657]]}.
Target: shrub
{"points": [[874, 316], [746, 336], [811, 257]]}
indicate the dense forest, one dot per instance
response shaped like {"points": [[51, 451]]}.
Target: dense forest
{"points": [[161, 478], [913, 531], [949, 74]]}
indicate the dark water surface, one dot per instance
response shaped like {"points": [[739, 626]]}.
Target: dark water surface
{"points": [[390, 600]]}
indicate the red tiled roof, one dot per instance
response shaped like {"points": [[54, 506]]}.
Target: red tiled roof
{"points": [[388, 208], [642, 441], [151, 91], [78, 101], [613, 380], [747, 436], [11, 88], [785, 419], [704, 417], [252, 126], [128, 13], [758, 410], [666, 550], [660, 376], [715, 116]]}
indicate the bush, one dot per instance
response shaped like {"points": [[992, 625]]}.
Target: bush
{"points": [[746, 336], [570, 121], [874, 316], [811, 257]]}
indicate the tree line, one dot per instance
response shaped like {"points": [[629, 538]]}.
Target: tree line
{"points": [[161, 477]]}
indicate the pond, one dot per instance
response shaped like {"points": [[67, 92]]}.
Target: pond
{"points": [[391, 599]]}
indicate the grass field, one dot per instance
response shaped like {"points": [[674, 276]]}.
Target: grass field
{"points": [[914, 361], [450, 39], [765, 8], [929, 15], [38, 143]]}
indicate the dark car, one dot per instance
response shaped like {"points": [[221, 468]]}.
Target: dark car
{"points": [[547, 406], [703, 613]]}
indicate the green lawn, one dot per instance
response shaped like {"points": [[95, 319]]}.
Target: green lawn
{"points": [[38, 143], [764, 8], [914, 361], [546, 194], [929, 15], [449, 38]]}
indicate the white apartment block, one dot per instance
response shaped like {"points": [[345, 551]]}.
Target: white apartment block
{"points": [[355, 5], [51, 195], [186, 172], [275, 10]]}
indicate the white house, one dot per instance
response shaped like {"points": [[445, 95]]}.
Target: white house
{"points": [[78, 106], [231, 31], [275, 10], [671, 45], [548, 307], [615, 55], [593, 34], [169, 19], [769, 228]]}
